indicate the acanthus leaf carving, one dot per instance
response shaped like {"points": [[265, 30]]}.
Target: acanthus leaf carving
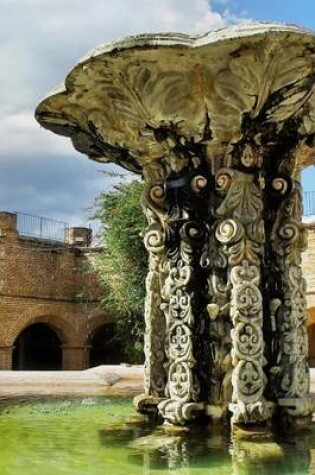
{"points": [[240, 231]]}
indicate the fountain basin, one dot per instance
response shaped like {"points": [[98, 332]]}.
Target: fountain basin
{"points": [[131, 100], [100, 435]]}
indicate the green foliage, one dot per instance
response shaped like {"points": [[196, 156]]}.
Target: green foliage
{"points": [[123, 264]]}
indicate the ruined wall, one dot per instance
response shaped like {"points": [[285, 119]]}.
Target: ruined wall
{"points": [[51, 283]]}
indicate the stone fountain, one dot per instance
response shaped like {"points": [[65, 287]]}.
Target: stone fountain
{"points": [[219, 126]]}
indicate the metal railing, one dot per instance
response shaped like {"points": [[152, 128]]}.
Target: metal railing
{"points": [[42, 228], [308, 203], [39, 227]]}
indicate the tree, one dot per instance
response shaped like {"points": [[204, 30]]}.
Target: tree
{"points": [[123, 263]]}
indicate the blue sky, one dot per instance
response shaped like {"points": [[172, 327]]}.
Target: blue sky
{"points": [[300, 11], [40, 40]]}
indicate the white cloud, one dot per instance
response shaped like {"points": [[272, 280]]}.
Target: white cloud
{"points": [[21, 135], [40, 40]]}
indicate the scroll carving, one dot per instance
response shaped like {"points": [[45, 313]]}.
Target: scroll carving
{"points": [[289, 239], [176, 324], [184, 293], [220, 324], [240, 231]]}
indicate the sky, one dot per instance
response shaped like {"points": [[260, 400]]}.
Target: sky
{"points": [[41, 40]]}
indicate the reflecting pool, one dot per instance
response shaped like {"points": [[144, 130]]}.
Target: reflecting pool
{"points": [[92, 436]]}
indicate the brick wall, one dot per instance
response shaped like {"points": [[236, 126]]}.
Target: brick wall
{"points": [[51, 283], [308, 262]]}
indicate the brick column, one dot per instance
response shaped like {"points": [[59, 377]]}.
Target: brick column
{"points": [[308, 257], [6, 357], [80, 237], [74, 357], [8, 224]]}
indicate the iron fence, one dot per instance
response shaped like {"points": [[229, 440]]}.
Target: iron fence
{"points": [[39, 227], [308, 203], [53, 230]]}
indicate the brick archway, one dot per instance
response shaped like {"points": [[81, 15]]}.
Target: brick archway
{"points": [[97, 320], [72, 337], [101, 350], [58, 323], [37, 347], [104, 348]]}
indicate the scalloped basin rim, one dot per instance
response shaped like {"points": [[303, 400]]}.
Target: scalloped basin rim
{"points": [[76, 107], [182, 39]]}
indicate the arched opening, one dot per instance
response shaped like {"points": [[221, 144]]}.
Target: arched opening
{"points": [[104, 346], [311, 342], [38, 347]]}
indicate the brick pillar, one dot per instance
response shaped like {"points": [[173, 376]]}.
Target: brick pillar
{"points": [[8, 224], [308, 257], [80, 237], [6, 357], [74, 357]]}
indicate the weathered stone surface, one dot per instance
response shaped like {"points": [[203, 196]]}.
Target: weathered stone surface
{"points": [[133, 100], [302, 406], [102, 380], [220, 127]]}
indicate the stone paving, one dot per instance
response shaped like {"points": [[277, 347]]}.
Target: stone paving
{"points": [[101, 380]]}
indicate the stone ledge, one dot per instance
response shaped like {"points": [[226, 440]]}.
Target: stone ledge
{"points": [[297, 407], [101, 380]]}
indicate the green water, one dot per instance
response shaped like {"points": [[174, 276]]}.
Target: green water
{"points": [[93, 436]]}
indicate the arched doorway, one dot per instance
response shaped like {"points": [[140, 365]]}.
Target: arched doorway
{"points": [[311, 340], [104, 346], [38, 347]]}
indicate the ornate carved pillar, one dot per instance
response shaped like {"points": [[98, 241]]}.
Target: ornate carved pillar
{"points": [[289, 239], [177, 368], [154, 338], [220, 341], [240, 230]]}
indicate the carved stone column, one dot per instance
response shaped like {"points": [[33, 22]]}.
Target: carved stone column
{"points": [[154, 338], [241, 233], [220, 341], [289, 239], [176, 318]]}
